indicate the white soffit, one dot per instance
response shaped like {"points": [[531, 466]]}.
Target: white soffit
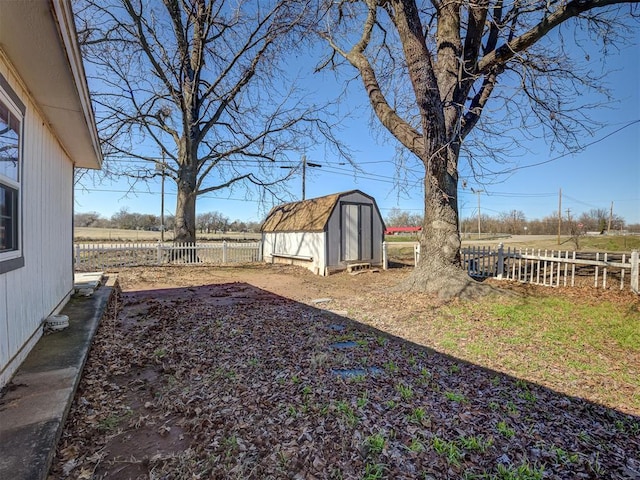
{"points": [[39, 37]]}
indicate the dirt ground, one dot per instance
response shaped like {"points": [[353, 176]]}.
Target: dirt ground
{"points": [[291, 282], [269, 371]]}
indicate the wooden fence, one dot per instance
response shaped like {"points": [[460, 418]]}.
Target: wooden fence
{"points": [[90, 256], [550, 268]]}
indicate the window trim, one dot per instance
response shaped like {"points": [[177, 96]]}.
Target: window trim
{"points": [[14, 259]]}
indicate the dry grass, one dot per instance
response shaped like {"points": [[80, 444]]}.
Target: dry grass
{"points": [[89, 234]]}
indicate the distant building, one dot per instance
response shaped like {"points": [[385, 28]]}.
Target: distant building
{"points": [[402, 230]]}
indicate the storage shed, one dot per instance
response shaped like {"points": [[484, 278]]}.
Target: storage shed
{"points": [[325, 234], [47, 128]]}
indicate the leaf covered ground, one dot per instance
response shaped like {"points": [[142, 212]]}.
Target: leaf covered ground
{"points": [[271, 372]]}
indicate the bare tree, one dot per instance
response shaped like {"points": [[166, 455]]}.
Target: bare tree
{"points": [[441, 74], [211, 222], [575, 230], [204, 221], [514, 221], [599, 220], [88, 219], [402, 218], [194, 90]]}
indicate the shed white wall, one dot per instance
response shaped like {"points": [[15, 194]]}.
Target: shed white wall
{"points": [[40, 288], [296, 244]]}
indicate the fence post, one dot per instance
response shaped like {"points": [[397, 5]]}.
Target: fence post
{"points": [[385, 260], [77, 256], [260, 251], [416, 253], [635, 271], [224, 251], [159, 257], [500, 261]]}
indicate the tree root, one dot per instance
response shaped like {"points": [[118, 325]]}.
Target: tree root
{"points": [[447, 282]]}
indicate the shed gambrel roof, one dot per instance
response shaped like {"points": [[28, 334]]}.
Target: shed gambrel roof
{"points": [[306, 216]]}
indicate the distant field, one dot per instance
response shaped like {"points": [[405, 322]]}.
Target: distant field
{"points": [[89, 234], [614, 243], [600, 243]]}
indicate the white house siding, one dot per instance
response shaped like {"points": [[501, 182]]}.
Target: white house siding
{"points": [[40, 288], [296, 244]]}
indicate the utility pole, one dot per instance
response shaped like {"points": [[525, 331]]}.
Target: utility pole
{"points": [[610, 218], [160, 168], [304, 175], [478, 214], [559, 214], [478, 192], [305, 164]]}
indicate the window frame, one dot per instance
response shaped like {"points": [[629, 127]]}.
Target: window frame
{"points": [[14, 258]]}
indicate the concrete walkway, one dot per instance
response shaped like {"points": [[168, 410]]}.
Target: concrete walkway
{"points": [[34, 407]]}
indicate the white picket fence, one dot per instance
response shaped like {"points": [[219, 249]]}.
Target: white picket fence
{"points": [[549, 268], [555, 268], [91, 256], [542, 267], [397, 245]]}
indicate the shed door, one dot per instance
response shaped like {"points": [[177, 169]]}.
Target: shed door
{"points": [[366, 232], [350, 232], [357, 232]]}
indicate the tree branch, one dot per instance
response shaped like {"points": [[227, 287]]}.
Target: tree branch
{"points": [[574, 8]]}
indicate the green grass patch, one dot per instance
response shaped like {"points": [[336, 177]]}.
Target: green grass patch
{"points": [[475, 443], [505, 430], [455, 397], [551, 340], [400, 238], [447, 449], [405, 391], [521, 472], [346, 411], [564, 321], [613, 243], [373, 471], [375, 443]]}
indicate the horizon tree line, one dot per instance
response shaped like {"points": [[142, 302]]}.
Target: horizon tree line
{"points": [[207, 222], [513, 222]]}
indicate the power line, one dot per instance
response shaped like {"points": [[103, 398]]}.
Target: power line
{"points": [[571, 152], [148, 192], [517, 195], [121, 158], [580, 201], [402, 209]]}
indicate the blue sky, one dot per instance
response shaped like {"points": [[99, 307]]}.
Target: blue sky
{"points": [[606, 171]]}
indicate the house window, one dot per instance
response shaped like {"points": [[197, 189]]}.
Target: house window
{"points": [[8, 219], [11, 115]]}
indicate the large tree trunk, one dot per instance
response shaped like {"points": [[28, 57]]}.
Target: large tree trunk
{"points": [[185, 216], [439, 269], [186, 206]]}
